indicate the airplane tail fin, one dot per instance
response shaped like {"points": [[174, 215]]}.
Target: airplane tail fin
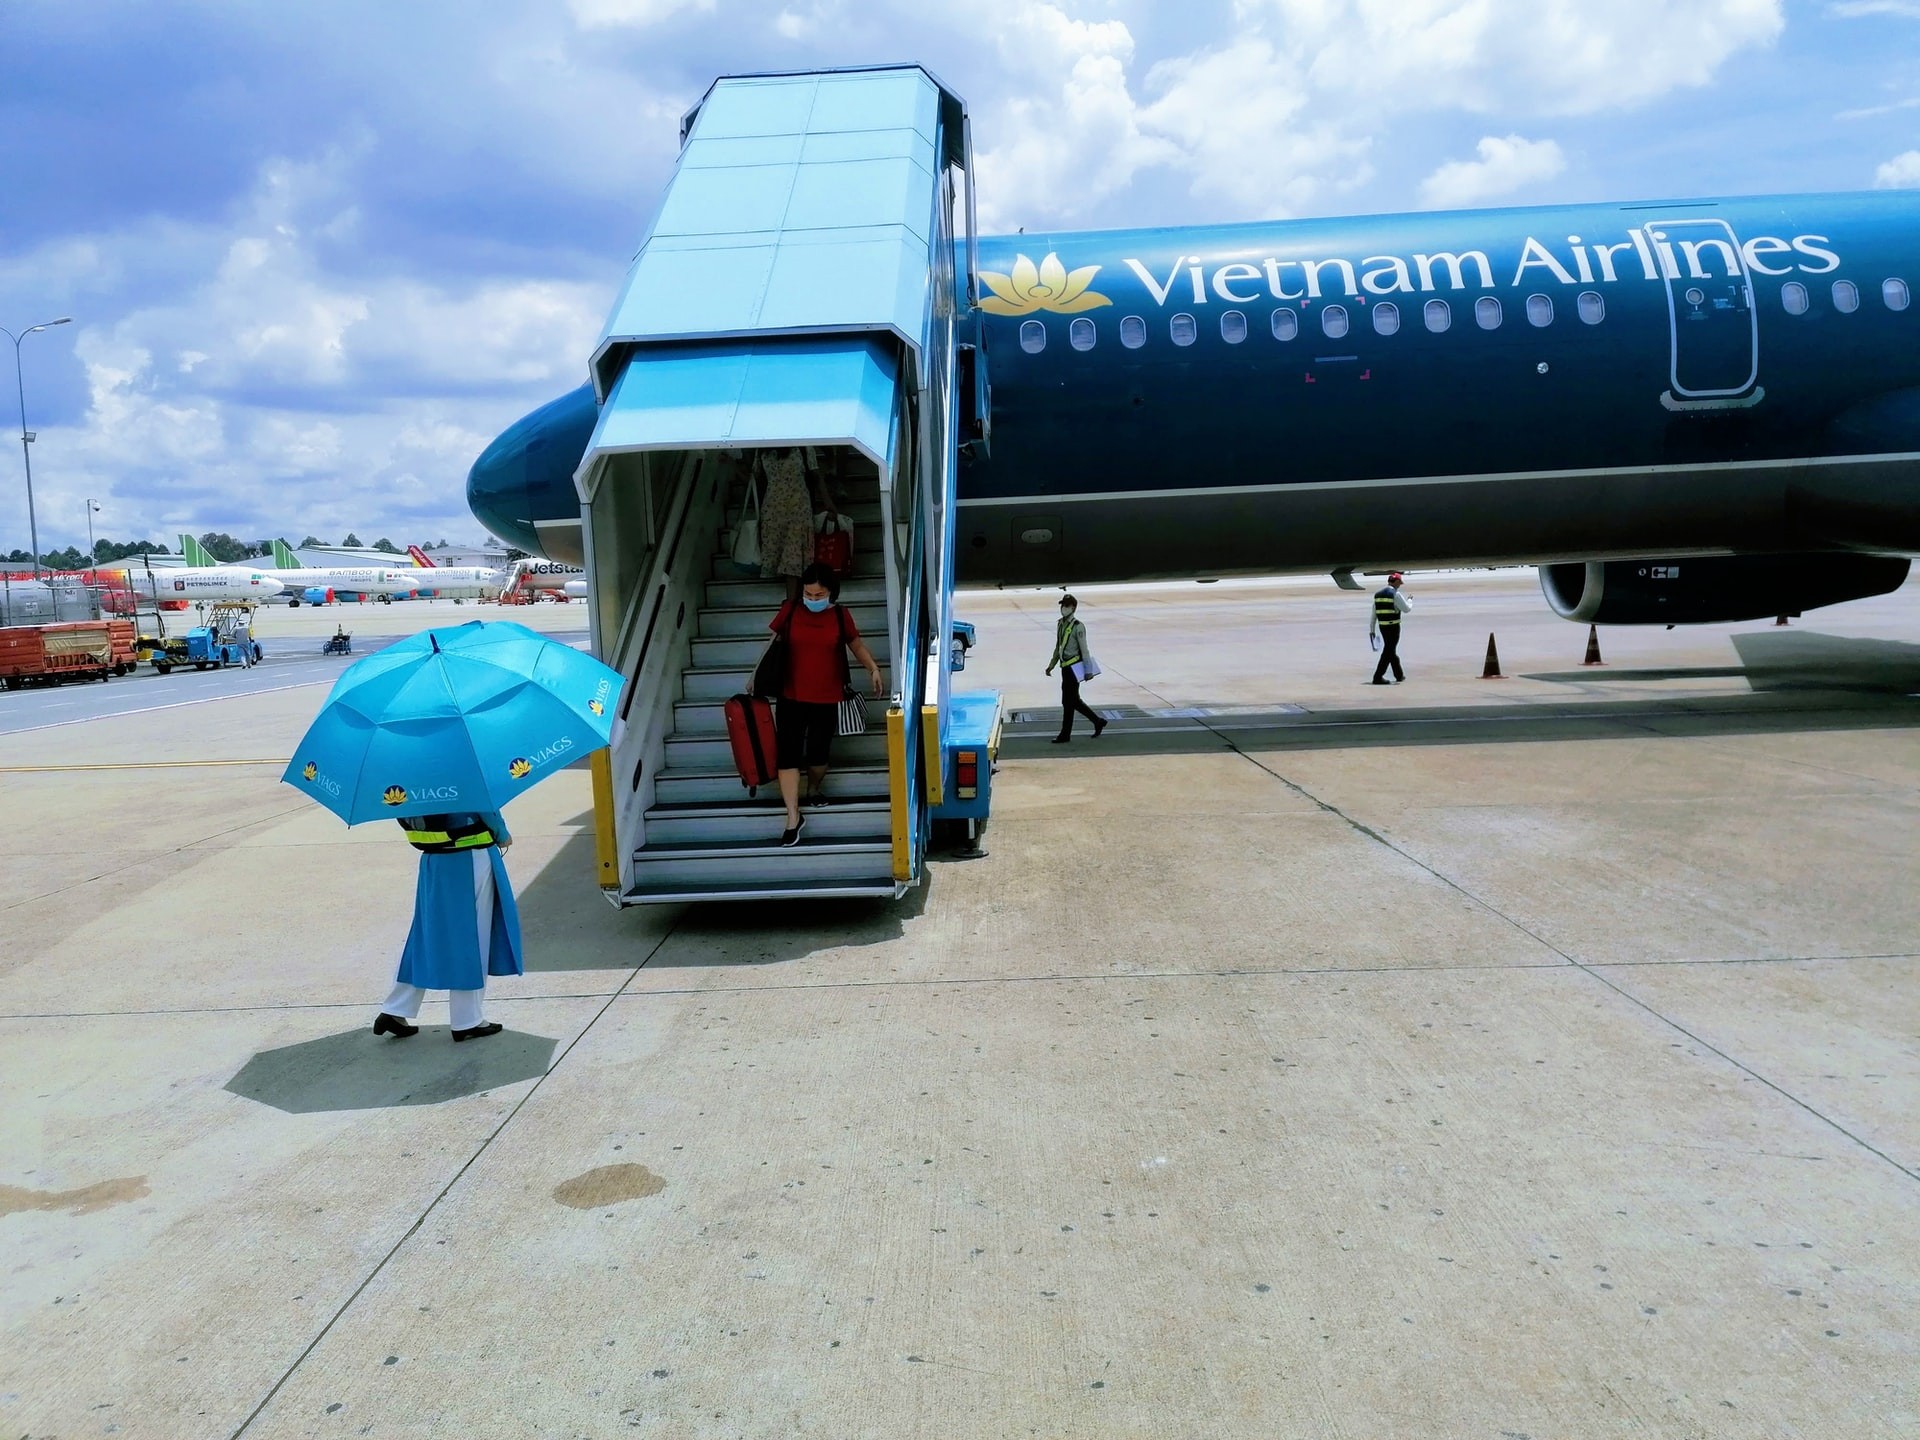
{"points": [[283, 556], [419, 557], [194, 553]]}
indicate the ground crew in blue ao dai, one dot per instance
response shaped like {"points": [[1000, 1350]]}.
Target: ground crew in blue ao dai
{"points": [[465, 923], [1388, 606]]}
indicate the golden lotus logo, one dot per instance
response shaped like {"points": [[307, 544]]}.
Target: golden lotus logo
{"points": [[1049, 287], [520, 769], [596, 707], [311, 770], [394, 795]]}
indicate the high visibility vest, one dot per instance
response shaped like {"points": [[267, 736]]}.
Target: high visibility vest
{"points": [[1385, 612], [444, 834]]}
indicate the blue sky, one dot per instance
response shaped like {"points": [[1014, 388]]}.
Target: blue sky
{"points": [[318, 254]]}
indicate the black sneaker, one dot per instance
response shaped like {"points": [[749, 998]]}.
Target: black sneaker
{"points": [[1098, 726], [791, 835]]}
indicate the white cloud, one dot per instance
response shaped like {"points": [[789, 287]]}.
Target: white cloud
{"points": [[1506, 164], [268, 394], [630, 14], [1900, 173], [1065, 144]]}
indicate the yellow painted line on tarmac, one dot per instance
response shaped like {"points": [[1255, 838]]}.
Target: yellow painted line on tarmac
{"points": [[132, 765]]}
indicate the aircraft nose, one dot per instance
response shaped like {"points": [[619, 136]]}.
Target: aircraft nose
{"points": [[526, 474], [270, 586]]}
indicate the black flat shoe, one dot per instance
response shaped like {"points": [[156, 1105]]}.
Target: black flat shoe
{"points": [[1059, 740], [791, 835], [386, 1024], [1098, 726], [1380, 682], [478, 1032]]}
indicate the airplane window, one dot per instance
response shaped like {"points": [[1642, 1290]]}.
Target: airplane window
{"points": [[1286, 324], [1486, 312], [1539, 310], [1182, 330], [1233, 326], [1033, 336], [1439, 316], [1895, 293], [1080, 334], [1133, 332], [1386, 318], [1333, 321], [1593, 306], [1846, 296], [1793, 298]]}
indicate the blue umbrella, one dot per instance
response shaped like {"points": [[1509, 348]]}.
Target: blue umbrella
{"points": [[457, 719]]}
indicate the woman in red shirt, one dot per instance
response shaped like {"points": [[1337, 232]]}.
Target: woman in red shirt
{"points": [[819, 634]]}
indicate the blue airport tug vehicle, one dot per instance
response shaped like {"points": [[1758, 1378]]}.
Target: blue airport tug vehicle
{"points": [[226, 639]]}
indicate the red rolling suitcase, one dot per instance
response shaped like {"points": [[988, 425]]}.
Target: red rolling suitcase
{"points": [[750, 732]]}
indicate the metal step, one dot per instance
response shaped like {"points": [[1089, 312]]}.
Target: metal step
{"points": [[759, 823], [786, 890], [717, 786], [743, 653], [720, 684], [764, 597], [707, 719], [763, 867], [706, 753], [719, 623], [868, 564]]}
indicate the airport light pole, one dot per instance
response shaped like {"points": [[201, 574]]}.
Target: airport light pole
{"points": [[93, 508], [26, 436]]}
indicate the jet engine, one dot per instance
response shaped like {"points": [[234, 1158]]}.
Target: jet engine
{"points": [[1704, 590]]}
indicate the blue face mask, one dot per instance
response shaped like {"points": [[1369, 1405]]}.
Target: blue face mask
{"points": [[816, 605]]}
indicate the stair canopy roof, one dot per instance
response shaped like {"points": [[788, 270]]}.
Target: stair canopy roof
{"points": [[835, 390], [801, 204]]}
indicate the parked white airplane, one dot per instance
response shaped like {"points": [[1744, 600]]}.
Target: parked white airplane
{"points": [[456, 582], [316, 584], [544, 575], [197, 582]]}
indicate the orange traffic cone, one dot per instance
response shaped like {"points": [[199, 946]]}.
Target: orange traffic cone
{"points": [[1492, 670], [1593, 647]]}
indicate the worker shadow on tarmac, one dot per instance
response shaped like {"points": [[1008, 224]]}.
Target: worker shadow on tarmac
{"points": [[569, 927], [1797, 680], [359, 1070]]}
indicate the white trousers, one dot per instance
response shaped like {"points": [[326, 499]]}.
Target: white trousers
{"points": [[465, 1005]]}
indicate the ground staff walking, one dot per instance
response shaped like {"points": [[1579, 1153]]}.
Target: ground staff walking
{"points": [[1074, 660], [1388, 606], [465, 923]]}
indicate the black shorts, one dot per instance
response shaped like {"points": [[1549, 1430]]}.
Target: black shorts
{"points": [[805, 733]]}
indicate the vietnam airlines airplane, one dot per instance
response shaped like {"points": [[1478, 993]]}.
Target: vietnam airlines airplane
{"points": [[1597, 389]]}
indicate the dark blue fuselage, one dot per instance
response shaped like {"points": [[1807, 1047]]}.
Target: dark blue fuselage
{"points": [[1518, 385]]}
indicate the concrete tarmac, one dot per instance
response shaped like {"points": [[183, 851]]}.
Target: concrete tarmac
{"points": [[1525, 1057]]}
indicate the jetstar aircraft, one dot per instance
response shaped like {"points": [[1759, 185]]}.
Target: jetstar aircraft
{"points": [[1602, 390]]}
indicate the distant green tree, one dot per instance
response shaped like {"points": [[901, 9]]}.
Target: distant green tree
{"points": [[19, 557], [224, 548], [70, 558], [386, 546], [310, 541], [351, 540], [105, 552]]}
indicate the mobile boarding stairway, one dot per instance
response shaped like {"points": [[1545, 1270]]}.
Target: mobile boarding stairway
{"points": [[799, 287]]}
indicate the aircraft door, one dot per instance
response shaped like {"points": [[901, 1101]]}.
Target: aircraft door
{"points": [[1715, 333]]}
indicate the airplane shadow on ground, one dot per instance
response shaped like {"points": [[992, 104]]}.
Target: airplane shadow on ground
{"points": [[568, 926], [1798, 681], [359, 1070]]}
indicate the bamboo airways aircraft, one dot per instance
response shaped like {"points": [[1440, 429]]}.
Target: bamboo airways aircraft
{"points": [[1605, 391]]}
